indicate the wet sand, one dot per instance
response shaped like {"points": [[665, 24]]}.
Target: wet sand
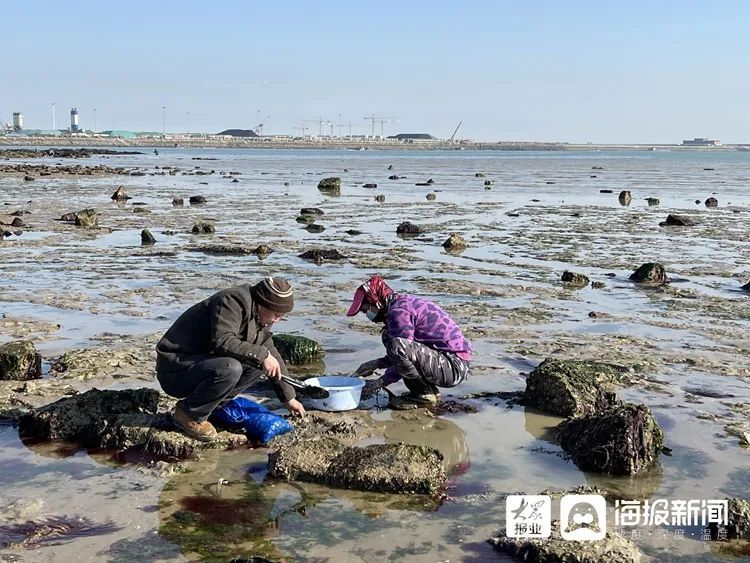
{"points": [[682, 342]]}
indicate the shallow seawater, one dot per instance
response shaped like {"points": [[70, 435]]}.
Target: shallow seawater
{"points": [[504, 289]]}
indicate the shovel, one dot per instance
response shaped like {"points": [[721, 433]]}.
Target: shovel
{"points": [[305, 389]]}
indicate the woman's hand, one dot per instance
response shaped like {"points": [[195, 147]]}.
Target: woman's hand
{"points": [[295, 407], [368, 368]]}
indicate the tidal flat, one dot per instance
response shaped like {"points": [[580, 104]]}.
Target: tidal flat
{"points": [[101, 299]]}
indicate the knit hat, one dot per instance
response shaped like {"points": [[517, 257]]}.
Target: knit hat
{"points": [[275, 294]]}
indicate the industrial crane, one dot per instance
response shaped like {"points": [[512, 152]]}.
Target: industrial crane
{"points": [[380, 120]]}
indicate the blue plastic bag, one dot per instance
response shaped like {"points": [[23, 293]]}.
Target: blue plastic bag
{"points": [[259, 423]]}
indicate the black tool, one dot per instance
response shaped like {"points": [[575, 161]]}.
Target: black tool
{"points": [[312, 391]]}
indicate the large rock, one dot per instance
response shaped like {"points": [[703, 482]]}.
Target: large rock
{"points": [[557, 550], [330, 186], [20, 361], [570, 388], [738, 525], [86, 218], [387, 468], [76, 418], [651, 273], [119, 420], [155, 435], [622, 440], [297, 349]]}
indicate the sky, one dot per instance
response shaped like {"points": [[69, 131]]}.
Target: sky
{"points": [[656, 71]]}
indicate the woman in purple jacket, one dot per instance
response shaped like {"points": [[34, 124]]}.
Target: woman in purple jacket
{"points": [[423, 344]]}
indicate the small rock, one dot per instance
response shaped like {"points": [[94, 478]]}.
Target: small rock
{"points": [[746, 287], [315, 228], [488, 182], [203, 228], [197, 200], [306, 219], [319, 256], [380, 198], [370, 186], [120, 194], [390, 167], [311, 211], [455, 242], [697, 202], [431, 197], [407, 228], [147, 239], [712, 202], [330, 186], [479, 175], [353, 232], [677, 221], [650, 273], [652, 200], [28, 178], [20, 361], [177, 201], [605, 191], [393, 177], [17, 222], [597, 285], [573, 278], [625, 197], [86, 218], [430, 181]]}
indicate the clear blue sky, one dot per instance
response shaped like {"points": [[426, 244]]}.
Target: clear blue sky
{"points": [[598, 71]]}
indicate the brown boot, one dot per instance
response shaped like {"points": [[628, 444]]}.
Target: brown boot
{"points": [[203, 431]]}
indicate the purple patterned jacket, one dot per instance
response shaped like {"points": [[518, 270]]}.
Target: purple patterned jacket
{"points": [[421, 320]]}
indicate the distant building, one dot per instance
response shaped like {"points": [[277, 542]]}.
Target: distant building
{"points": [[701, 142], [413, 137], [74, 120], [17, 121], [238, 133], [120, 134]]}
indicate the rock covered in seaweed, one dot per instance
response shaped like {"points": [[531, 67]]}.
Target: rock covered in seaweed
{"points": [[623, 440], [557, 550], [296, 349], [738, 520], [570, 387], [388, 468], [20, 361], [574, 279], [330, 186], [651, 273]]}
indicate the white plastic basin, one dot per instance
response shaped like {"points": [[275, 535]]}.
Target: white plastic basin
{"points": [[344, 392]]}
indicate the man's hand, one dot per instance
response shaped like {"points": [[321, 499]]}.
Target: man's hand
{"points": [[295, 407], [368, 368], [271, 367]]}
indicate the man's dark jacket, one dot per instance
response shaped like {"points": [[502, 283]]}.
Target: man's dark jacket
{"points": [[224, 325]]}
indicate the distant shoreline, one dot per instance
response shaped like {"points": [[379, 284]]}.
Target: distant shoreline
{"points": [[339, 144]]}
